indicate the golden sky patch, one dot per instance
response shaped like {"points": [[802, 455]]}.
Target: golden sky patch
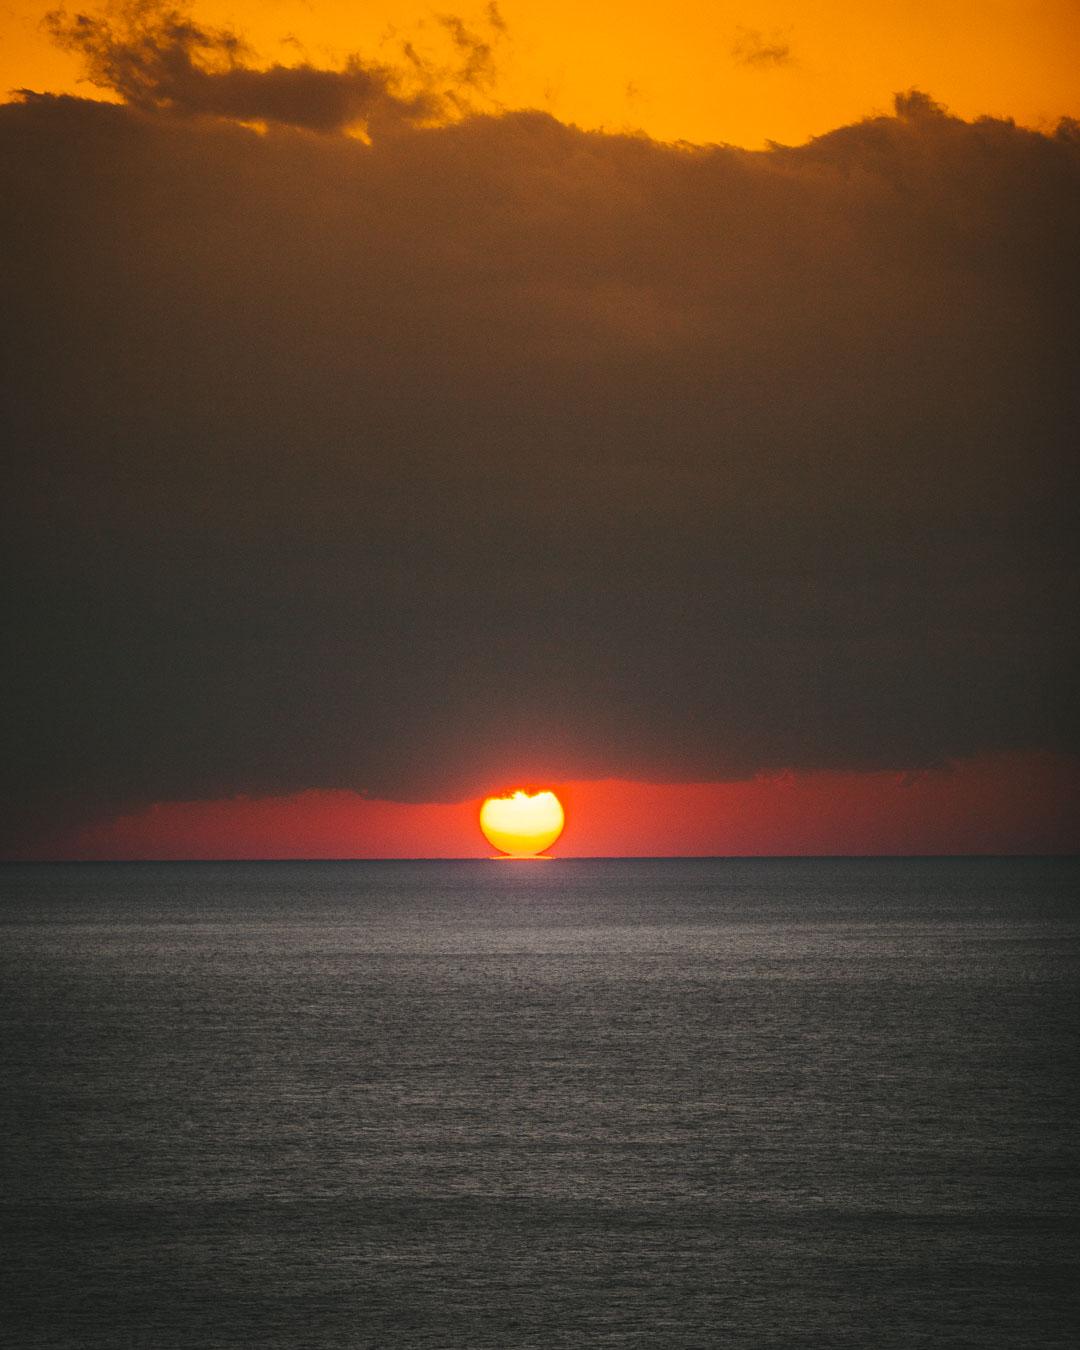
{"points": [[734, 72]]}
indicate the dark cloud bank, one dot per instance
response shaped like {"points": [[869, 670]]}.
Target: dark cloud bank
{"points": [[503, 449]]}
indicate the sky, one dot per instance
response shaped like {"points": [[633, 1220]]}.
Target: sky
{"points": [[737, 73], [677, 411]]}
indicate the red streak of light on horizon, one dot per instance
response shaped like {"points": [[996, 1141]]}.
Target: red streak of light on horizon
{"points": [[1016, 803]]}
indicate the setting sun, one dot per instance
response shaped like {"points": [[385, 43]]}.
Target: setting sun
{"points": [[520, 825]]}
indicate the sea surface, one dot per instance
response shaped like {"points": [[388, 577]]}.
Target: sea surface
{"points": [[670, 1103]]}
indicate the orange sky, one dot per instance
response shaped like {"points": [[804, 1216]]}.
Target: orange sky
{"points": [[743, 72], [995, 805]]}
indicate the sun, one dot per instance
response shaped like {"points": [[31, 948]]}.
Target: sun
{"points": [[520, 825]]}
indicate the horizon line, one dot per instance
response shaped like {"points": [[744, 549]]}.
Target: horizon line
{"points": [[582, 857]]}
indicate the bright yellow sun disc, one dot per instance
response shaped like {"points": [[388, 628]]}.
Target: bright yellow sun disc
{"points": [[521, 825]]}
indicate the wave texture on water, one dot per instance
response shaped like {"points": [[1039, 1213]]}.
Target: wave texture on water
{"points": [[749, 1103]]}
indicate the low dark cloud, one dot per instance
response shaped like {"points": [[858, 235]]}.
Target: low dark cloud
{"points": [[507, 450]]}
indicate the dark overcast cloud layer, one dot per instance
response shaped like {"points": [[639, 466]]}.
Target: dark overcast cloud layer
{"points": [[508, 450]]}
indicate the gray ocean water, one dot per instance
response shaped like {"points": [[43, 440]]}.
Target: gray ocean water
{"points": [[746, 1103]]}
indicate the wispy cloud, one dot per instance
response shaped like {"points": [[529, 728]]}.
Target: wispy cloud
{"points": [[160, 58], [753, 48]]}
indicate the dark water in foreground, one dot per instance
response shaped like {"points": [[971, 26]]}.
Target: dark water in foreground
{"points": [[657, 1103]]}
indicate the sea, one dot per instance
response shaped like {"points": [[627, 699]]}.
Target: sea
{"points": [[739, 1103]]}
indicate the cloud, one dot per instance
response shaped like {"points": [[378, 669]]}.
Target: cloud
{"points": [[477, 55], [504, 450], [160, 59], [752, 48], [915, 105]]}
